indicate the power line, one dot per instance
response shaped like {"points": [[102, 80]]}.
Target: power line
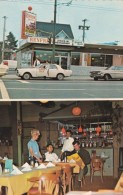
{"points": [[49, 3]]}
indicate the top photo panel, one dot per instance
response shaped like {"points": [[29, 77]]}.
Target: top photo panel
{"points": [[61, 49]]}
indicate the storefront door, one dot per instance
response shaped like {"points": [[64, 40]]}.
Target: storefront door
{"points": [[62, 61]]}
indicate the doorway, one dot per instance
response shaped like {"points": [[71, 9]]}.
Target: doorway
{"points": [[62, 61]]}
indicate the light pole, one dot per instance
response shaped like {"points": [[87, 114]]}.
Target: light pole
{"points": [[4, 30], [84, 27], [54, 31]]}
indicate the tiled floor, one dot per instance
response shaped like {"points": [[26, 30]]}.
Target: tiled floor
{"points": [[108, 183]]}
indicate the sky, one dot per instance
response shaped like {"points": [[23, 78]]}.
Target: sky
{"points": [[105, 17]]}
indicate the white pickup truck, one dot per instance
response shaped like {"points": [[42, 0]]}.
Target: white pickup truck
{"points": [[12, 64]]}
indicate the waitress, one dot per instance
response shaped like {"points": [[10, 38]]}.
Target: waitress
{"points": [[33, 146]]}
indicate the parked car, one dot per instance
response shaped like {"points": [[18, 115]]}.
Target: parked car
{"points": [[3, 70], [43, 70], [113, 72]]}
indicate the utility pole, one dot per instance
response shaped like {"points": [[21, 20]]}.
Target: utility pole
{"points": [[54, 26], [54, 31], [84, 27], [4, 30]]}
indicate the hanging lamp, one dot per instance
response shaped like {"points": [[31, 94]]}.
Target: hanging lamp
{"points": [[63, 131], [76, 110], [80, 129], [98, 130], [84, 134]]}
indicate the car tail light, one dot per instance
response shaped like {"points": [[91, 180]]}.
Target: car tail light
{"points": [[5, 63]]}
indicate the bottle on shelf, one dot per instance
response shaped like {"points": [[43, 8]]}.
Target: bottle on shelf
{"points": [[36, 163], [65, 157], [93, 154], [31, 161]]}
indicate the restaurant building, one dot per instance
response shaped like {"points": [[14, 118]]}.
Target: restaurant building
{"points": [[98, 126], [68, 51]]}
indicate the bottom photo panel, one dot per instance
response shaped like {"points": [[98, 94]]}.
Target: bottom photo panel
{"points": [[61, 147]]}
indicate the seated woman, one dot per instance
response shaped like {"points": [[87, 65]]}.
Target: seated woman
{"points": [[50, 155]]}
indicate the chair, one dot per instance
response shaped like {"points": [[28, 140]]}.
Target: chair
{"points": [[48, 184], [120, 169], [85, 170], [96, 165], [67, 178], [83, 178]]}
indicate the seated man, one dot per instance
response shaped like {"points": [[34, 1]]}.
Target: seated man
{"points": [[85, 156], [50, 155]]}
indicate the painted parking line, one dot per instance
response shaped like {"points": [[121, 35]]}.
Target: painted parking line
{"points": [[3, 91]]}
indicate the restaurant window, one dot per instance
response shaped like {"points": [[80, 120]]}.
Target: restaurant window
{"points": [[101, 60], [75, 58], [26, 59], [43, 56]]}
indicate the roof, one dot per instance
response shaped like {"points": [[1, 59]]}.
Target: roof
{"points": [[49, 26]]}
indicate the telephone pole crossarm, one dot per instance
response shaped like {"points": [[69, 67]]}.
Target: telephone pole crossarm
{"points": [[84, 28]]}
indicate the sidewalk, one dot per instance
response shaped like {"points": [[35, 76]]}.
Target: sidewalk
{"points": [[78, 77]]}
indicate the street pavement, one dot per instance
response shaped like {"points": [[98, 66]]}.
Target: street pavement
{"points": [[73, 77], [74, 87]]}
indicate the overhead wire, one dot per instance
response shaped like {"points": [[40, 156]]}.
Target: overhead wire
{"points": [[68, 3]]}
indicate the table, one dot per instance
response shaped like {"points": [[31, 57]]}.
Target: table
{"points": [[18, 184], [118, 187]]}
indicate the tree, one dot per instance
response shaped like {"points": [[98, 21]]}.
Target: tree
{"points": [[10, 46], [10, 42]]}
